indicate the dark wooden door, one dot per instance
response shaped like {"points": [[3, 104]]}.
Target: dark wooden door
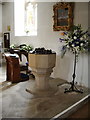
{"points": [[7, 40]]}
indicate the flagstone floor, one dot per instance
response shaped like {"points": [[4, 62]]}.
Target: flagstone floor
{"points": [[16, 102], [3, 72]]}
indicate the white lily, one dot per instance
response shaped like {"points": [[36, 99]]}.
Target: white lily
{"points": [[75, 37]]}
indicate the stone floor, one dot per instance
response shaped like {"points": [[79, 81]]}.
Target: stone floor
{"points": [[17, 103], [3, 73]]}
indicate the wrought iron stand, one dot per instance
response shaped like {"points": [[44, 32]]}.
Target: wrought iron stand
{"points": [[73, 88]]}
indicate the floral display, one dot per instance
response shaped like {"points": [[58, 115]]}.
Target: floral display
{"points": [[22, 47], [27, 48], [13, 46], [75, 40]]}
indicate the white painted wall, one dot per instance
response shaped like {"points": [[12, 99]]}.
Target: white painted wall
{"points": [[0, 17], [50, 40], [0, 54], [7, 16], [0, 22]]}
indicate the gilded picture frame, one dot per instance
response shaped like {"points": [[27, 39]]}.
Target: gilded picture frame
{"points": [[63, 16]]}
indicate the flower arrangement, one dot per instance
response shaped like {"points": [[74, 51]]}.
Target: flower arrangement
{"points": [[75, 40], [27, 48], [22, 47], [13, 46]]}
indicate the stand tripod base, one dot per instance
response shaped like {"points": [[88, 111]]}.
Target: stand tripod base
{"points": [[73, 88]]}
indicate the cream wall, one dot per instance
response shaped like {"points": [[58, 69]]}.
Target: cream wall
{"points": [[0, 22], [0, 17], [0, 54], [49, 39]]}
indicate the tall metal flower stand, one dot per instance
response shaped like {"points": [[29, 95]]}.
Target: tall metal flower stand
{"points": [[73, 88]]}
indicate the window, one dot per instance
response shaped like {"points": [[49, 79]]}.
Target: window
{"points": [[25, 18]]}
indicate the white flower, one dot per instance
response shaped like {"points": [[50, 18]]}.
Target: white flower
{"points": [[81, 44], [75, 37], [81, 38], [67, 46], [72, 45]]}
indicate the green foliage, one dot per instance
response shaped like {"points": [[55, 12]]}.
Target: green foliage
{"points": [[13, 46], [27, 48], [22, 47]]}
